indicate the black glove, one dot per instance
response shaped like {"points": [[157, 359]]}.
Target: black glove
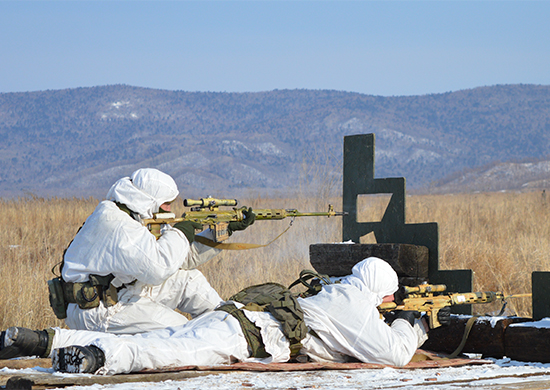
{"points": [[249, 218], [399, 295], [389, 316], [444, 316], [408, 315], [188, 228]]}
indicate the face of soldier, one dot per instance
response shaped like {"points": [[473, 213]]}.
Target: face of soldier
{"points": [[388, 298], [165, 207]]}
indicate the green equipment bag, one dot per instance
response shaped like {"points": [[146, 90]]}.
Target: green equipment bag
{"points": [[260, 294], [282, 304]]}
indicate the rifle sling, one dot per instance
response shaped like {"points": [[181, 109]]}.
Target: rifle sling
{"points": [[467, 329], [235, 246], [229, 246], [251, 332]]}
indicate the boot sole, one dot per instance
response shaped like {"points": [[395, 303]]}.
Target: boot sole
{"points": [[71, 360]]}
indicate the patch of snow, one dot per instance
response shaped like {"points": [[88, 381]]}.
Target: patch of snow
{"points": [[544, 323], [424, 156], [500, 373], [396, 136], [236, 148], [492, 320], [268, 149], [352, 124], [381, 153], [119, 110], [117, 105]]}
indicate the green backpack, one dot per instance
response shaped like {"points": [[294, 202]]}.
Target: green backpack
{"points": [[283, 304]]}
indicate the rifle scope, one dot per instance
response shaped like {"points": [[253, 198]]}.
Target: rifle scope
{"points": [[424, 288], [209, 202]]}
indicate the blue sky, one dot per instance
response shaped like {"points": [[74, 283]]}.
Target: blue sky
{"points": [[373, 47]]}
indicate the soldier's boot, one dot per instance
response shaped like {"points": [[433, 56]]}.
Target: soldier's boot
{"points": [[18, 342], [78, 359]]}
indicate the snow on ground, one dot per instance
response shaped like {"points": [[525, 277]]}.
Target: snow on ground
{"points": [[501, 374]]}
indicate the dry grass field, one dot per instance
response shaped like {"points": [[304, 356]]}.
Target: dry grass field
{"points": [[503, 237]]}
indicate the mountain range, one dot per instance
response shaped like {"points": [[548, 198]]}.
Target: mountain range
{"points": [[77, 142]]}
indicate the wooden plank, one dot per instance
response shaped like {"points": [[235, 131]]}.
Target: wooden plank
{"points": [[422, 359], [486, 336], [527, 343], [16, 364], [53, 381], [409, 261]]}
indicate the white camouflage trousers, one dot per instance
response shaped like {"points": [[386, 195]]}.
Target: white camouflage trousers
{"points": [[142, 308]]}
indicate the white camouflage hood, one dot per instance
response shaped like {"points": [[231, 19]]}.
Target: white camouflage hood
{"points": [[145, 191], [374, 275]]}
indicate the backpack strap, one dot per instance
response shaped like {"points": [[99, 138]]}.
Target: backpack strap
{"points": [[250, 330], [313, 287], [288, 312]]}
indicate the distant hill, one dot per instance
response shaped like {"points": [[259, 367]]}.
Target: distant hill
{"points": [[77, 142], [507, 176]]}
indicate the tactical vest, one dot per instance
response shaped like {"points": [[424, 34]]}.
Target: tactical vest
{"points": [[282, 304]]}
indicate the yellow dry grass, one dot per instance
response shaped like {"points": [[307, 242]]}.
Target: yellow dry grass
{"points": [[503, 237], [34, 234]]}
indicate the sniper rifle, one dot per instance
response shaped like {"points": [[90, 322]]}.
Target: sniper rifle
{"points": [[206, 212], [431, 298]]}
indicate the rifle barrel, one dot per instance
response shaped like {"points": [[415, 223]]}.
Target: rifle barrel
{"points": [[518, 296], [263, 214]]}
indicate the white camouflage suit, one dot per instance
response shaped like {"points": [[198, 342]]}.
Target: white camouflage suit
{"points": [[344, 317], [156, 276]]}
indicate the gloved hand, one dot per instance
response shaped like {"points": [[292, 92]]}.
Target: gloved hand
{"points": [[408, 315], [188, 228], [399, 295], [249, 218], [389, 316], [444, 316]]}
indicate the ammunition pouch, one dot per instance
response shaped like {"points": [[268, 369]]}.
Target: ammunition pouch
{"points": [[57, 301], [86, 295]]}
